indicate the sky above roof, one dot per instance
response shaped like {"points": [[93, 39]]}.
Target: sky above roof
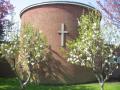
{"points": [[21, 4]]}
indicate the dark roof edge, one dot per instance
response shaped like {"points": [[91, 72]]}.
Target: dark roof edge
{"points": [[55, 2]]}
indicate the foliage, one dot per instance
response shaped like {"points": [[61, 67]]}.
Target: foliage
{"points": [[9, 51], [112, 10], [5, 8], [33, 44], [90, 50], [26, 52]]}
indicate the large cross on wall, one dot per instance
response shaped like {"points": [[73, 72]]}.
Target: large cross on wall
{"points": [[62, 32]]}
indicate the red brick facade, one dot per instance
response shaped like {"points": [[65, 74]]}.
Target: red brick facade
{"points": [[48, 18]]}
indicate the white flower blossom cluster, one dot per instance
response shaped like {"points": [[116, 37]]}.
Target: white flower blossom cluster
{"points": [[94, 26], [90, 49], [74, 59], [8, 49], [32, 45]]}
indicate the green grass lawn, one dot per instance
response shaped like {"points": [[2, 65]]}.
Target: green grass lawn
{"points": [[12, 84]]}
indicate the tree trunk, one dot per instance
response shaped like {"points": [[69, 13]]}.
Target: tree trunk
{"points": [[101, 81], [102, 85]]}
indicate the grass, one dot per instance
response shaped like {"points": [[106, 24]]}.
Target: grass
{"points": [[12, 84]]}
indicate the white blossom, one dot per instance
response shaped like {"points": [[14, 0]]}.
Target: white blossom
{"points": [[88, 58], [117, 67], [94, 26], [106, 61], [5, 49], [82, 64], [69, 59], [41, 46], [77, 61], [32, 63], [111, 50], [97, 47], [12, 52], [36, 48], [110, 74], [8, 51], [77, 56], [28, 61]]}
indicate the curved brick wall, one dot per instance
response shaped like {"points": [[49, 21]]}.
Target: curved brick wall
{"points": [[48, 19]]}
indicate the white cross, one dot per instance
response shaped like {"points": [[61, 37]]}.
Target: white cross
{"points": [[62, 32]]}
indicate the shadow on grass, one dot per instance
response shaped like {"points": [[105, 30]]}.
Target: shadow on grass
{"points": [[8, 87], [61, 87], [12, 84], [8, 84], [47, 87]]}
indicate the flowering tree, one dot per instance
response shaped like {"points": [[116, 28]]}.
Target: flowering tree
{"points": [[25, 53], [90, 50], [5, 8], [112, 10]]}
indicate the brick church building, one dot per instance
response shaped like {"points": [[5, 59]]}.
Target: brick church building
{"points": [[58, 22]]}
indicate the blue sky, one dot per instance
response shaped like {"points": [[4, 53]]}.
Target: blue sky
{"points": [[20, 4]]}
